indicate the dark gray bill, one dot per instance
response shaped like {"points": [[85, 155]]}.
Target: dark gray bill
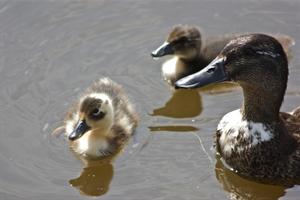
{"points": [[164, 49], [212, 73], [79, 130]]}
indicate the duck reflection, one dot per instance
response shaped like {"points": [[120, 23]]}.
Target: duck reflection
{"points": [[177, 107], [173, 128], [218, 88], [240, 188], [95, 177]]}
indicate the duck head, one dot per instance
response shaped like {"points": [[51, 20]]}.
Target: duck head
{"points": [[183, 41], [258, 64], [95, 113], [253, 59]]}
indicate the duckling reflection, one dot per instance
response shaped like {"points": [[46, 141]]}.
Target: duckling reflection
{"points": [[176, 108], [95, 178], [240, 188]]}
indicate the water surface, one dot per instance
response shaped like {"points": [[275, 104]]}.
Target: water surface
{"points": [[50, 51]]}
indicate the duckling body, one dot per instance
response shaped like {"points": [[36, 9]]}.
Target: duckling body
{"points": [[190, 54], [175, 68], [102, 121], [257, 140]]}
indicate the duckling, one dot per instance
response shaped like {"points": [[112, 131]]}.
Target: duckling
{"points": [[189, 55], [257, 140], [102, 121]]}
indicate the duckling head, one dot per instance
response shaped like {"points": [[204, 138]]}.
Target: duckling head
{"points": [[95, 116], [183, 41]]}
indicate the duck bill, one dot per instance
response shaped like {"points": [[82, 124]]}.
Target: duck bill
{"points": [[165, 49], [79, 130], [212, 73]]}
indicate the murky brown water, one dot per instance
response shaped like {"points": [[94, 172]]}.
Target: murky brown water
{"points": [[50, 51]]}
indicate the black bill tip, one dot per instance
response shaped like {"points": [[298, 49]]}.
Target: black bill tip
{"points": [[165, 49], [79, 130]]}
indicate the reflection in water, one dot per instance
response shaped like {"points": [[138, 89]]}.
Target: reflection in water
{"points": [[183, 103], [188, 103], [218, 88], [97, 174], [240, 188], [95, 178], [173, 128]]}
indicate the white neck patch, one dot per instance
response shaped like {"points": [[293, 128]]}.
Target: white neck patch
{"points": [[234, 129]]}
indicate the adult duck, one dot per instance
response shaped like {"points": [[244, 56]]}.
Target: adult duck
{"points": [[256, 140]]}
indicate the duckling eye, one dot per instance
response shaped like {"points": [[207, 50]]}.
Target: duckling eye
{"points": [[96, 112], [183, 39], [210, 70]]}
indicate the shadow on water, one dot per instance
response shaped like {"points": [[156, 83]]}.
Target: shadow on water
{"points": [[176, 106], [241, 188]]}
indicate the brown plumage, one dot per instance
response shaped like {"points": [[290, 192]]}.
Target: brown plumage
{"points": [[191, 53], [257, 141]]}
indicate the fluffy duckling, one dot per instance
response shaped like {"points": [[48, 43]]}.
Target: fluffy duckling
{"points": [[189, 53], [256, 140], [102, 121]]}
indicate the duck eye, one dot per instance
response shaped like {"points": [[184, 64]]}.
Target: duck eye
{"points": [[96, 112]]}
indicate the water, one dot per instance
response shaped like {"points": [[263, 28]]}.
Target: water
{"points": [[52, 50]]}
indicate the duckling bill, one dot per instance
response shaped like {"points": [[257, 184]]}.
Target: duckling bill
{"points": [[102, 120], [165, 49], [257, 140]]}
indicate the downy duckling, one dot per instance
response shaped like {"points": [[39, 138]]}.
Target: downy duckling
{"points": [[257, 141], [102, 121], [189, 55]]}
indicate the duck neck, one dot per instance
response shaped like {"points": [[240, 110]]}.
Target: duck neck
{"points": [[261, 105]]}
